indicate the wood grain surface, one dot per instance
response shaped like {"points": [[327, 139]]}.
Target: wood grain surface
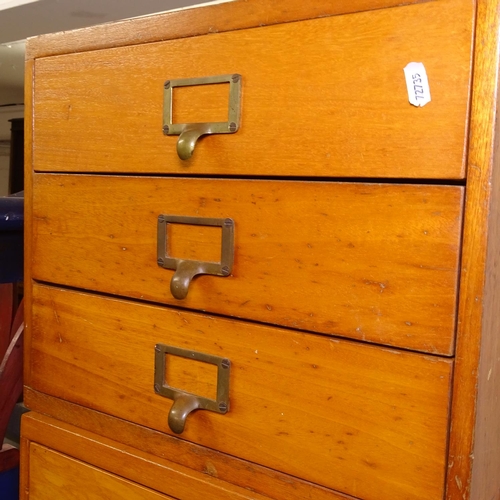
{"points": [[301, 404], [28, 196], [61, 244], [211, 19], [325, 97], [250, 476], [474, 461], [54, 475], [369, 261], [50, 469]]}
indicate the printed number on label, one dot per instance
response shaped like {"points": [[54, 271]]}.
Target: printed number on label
{"points": [[417, 84]]}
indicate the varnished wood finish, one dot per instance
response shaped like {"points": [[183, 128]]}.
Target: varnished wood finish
{"points": [[474, 426], [247, 475], [486, 465], [28, 195], [352, 408], [23, 468], [192, 22], [474, 458], [369, 261], [52, 472], [339, 79], [57, 476]]}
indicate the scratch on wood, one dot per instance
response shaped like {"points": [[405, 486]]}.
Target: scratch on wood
{"points": [[382, 285], [390, 351], [54, 310]]}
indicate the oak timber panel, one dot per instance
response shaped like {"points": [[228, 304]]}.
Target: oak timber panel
{"points": [[93, 454], [365, 421], [200, 21], [369, 261], [474, 457], [28, 185], [325, 97], [485, 191], [250, 476], [53, 476]]}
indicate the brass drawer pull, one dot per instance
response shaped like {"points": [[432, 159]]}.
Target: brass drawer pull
{"points": [[185, 402], [186, 270], [191, 132]]}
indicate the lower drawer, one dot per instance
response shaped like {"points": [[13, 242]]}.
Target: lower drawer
{"points": [[61, 461], [366, 421], [53, 475]]}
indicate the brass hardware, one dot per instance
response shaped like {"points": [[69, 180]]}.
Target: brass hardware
{"points": [[186, 270], [191, 132], [185, 402], [188, 138]]}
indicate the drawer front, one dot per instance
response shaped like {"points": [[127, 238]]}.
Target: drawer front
{"points": [[362, 420], [324, 97], [52, 473], [61, 457], [368, 261]]}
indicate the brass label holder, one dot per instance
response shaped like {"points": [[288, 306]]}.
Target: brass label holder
{"points": [[190, 132], [185, 402], [186, 270]]}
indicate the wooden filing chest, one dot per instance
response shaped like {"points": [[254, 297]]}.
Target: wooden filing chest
{"points": [[254, 268]]}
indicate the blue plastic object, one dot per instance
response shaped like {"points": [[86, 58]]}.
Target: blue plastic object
{"points": [[9, 484], [11, 238]]}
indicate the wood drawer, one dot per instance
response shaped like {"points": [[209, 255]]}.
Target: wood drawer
{"points": [[362, 420], [339, 79], [54, 475], [210, 467], [62, 461], [375, 262]]}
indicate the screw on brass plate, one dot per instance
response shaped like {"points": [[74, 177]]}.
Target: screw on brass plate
{"points": [[165, 129], [157, 348], [160, 218], [167, 84], [157, 388], [228, 222], [232, 127], [223, 406], [225, 363], [160, 262], [225, 270], [235, 78]]}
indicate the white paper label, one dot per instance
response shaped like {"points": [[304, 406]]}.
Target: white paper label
{"points": [[417, 84]]}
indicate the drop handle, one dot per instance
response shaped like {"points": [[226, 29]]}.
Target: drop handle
{"points": [[184, 403], [188, 138], [182, 407], [185, 269], [185, 272]]}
